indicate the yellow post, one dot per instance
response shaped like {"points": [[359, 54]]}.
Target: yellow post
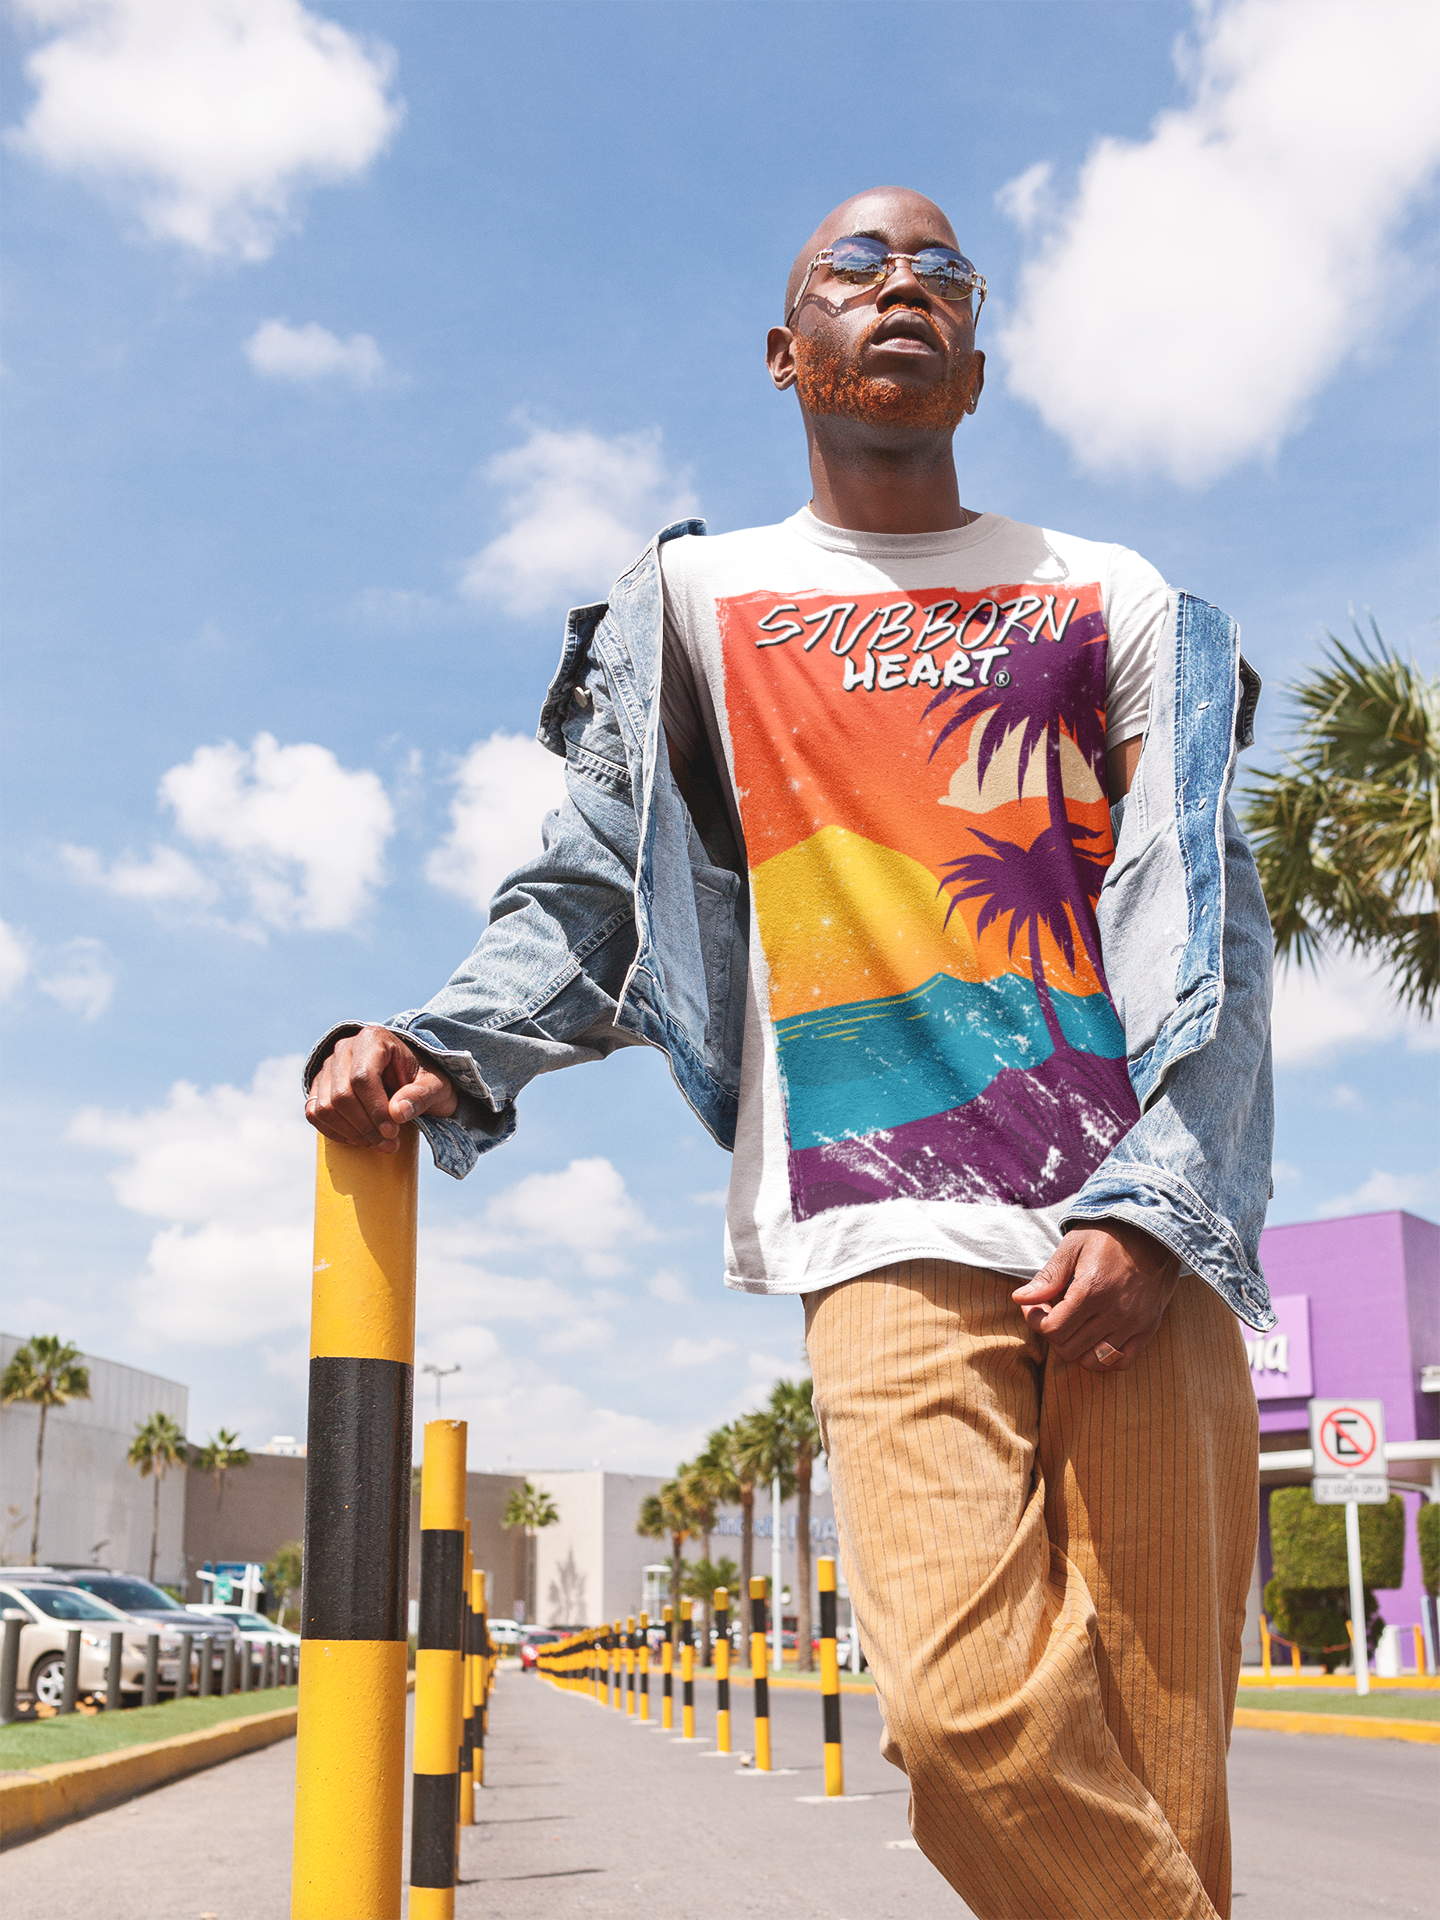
{"points": [[435, 1811], [467, 1695], [645, 1668], [667, 1674], [617, 1664], [759, 1669], [481, 1670], [1265, 1645], [687, 1670], [1295, 1658], [629, 1666], [722, 1670], [350, 1753], [1419, 1633], [830, 1683]]}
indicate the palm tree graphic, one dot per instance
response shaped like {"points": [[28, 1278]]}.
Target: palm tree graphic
{"points": [[1033, 886], [1057, 696]]}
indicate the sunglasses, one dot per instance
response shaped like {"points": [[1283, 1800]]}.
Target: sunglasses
{"points": [[860, 262]]}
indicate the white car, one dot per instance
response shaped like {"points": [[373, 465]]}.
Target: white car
{"points": [[505, 1633], [53, 1612], [251, 1625]]}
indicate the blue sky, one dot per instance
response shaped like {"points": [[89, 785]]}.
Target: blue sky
{"points": [[348, 345]]}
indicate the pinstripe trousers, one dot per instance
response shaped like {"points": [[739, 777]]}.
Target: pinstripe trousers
{"points": [[1049, 1569]]}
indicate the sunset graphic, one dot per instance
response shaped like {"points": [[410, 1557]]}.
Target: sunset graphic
{"points": [[921, 780]]}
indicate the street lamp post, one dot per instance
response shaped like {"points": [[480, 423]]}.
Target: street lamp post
{"points": [[440, 1373]]}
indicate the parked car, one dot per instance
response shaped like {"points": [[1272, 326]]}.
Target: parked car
{"points": [[506, 1634], [251, 1625], [53, 1612], [535, 1638], [141, 1600]]}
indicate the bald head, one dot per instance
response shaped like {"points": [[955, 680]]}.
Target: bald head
{"points": [[880, 211]]}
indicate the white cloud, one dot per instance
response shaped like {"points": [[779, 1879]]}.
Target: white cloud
{"points": [[14, 960], [210, 115], [1382, 1193], [79, 978], [168, 875], [716, 1197], [697, 1353], [584, 1209], [1181, 312], [301, 836], [669, 1286], [1345, 1004], [279, 351], [230, 1170], [577, 508], [503, 789]]}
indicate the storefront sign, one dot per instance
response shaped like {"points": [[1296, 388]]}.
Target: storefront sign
{"points": [[1280, 1359]]}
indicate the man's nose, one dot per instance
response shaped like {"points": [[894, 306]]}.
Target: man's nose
{"points": [[902, 289]]}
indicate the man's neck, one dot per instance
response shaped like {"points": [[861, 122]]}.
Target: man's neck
{"points": [[866, 485]]}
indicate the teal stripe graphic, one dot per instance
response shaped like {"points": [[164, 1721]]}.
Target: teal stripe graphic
{"points": [[876, 1064]]}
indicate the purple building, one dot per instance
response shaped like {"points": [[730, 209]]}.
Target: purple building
{"points": [[1359, 1307]]}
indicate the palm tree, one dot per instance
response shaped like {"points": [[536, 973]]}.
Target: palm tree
{"points": [[1030, 884], [284, 1574], [700, 1579], [221, 1452], [668, 1515], [531, 1509], [742, 1466], [158, 1445], [1347, 831], [791, 1402], [1063, 692], [764, 1450], [44, 1373], [708, 1482]]}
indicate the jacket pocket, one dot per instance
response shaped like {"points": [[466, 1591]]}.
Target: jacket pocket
{"points": [[724, 955]]}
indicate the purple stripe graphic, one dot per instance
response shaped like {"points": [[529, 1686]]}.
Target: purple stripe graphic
{"points": [[1031, 1139]]}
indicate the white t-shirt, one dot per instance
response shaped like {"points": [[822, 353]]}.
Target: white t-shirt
{"points": [[909, 733]]}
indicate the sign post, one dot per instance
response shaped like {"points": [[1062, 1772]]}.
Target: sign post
{"points": [[1347, 1443]]}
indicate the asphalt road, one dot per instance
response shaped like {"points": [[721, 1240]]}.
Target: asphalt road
{"points": [[589, 1817]]}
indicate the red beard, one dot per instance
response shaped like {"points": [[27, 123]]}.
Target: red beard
{"points": [[828, 384]]}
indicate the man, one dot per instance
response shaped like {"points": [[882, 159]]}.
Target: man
{"points": [[839, 840]]}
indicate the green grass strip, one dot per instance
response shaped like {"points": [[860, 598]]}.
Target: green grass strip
{"points": [[79, 1736], [1399, 1705]]}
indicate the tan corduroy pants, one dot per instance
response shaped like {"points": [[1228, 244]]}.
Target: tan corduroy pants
{"points": [[1049, 1569]]}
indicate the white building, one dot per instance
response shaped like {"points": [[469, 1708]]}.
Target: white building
{"points": [[94, 1506]]}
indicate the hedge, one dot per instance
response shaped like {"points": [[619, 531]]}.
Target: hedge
{"points": [[1427, 1531], [1316, 1620], [1307, 1542]]}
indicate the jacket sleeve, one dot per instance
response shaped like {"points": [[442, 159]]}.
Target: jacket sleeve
{"points": [[1194, 1171], [542, 986]]}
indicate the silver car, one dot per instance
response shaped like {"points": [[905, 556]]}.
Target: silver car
{"points": [[53, 1612]]}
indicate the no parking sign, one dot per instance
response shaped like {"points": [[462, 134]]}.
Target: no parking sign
{"points": [[1347, 1441]]}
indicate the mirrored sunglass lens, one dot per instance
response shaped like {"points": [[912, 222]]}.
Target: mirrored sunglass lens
{"points": [[858, 261], [948, 275]]}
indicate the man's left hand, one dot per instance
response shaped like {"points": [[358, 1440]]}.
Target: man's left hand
{"points": [[1100, 1296]]}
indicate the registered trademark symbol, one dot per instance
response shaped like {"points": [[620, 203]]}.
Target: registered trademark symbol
{"points": [[1002, 679]]}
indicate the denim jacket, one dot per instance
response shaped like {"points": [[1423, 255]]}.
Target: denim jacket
{"points": [[624, 932]]}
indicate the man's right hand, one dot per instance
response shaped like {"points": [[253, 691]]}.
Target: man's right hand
{"points": [[368, 1089]]}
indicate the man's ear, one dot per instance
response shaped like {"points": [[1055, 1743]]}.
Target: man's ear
{"points": [[780, 357]]}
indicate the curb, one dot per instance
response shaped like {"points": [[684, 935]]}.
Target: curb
{"points": [[44, 1798], [1426, 1732]]}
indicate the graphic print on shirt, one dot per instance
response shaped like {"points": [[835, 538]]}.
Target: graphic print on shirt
{"points": [[921, 781]]}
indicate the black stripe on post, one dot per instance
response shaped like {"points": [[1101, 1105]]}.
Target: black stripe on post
{"points": [[762, 1680], [827, 1616], [831, 1706], [357, 1500], [442, 1564], [434, 1821]]}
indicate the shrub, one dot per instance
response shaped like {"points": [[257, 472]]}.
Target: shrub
{"points": [[1315, 1619], [1307, 1542], [1427, 1532]]}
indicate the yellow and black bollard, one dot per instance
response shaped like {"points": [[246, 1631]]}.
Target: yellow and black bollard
{"points": [[667, 1674], [350, 1754], [830, 1684], [467, 1695], [630, 1667], [644, 1653], [687, 1670], [759, 1664], [722, 1670], [435, 1808], [480, 1670]]}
